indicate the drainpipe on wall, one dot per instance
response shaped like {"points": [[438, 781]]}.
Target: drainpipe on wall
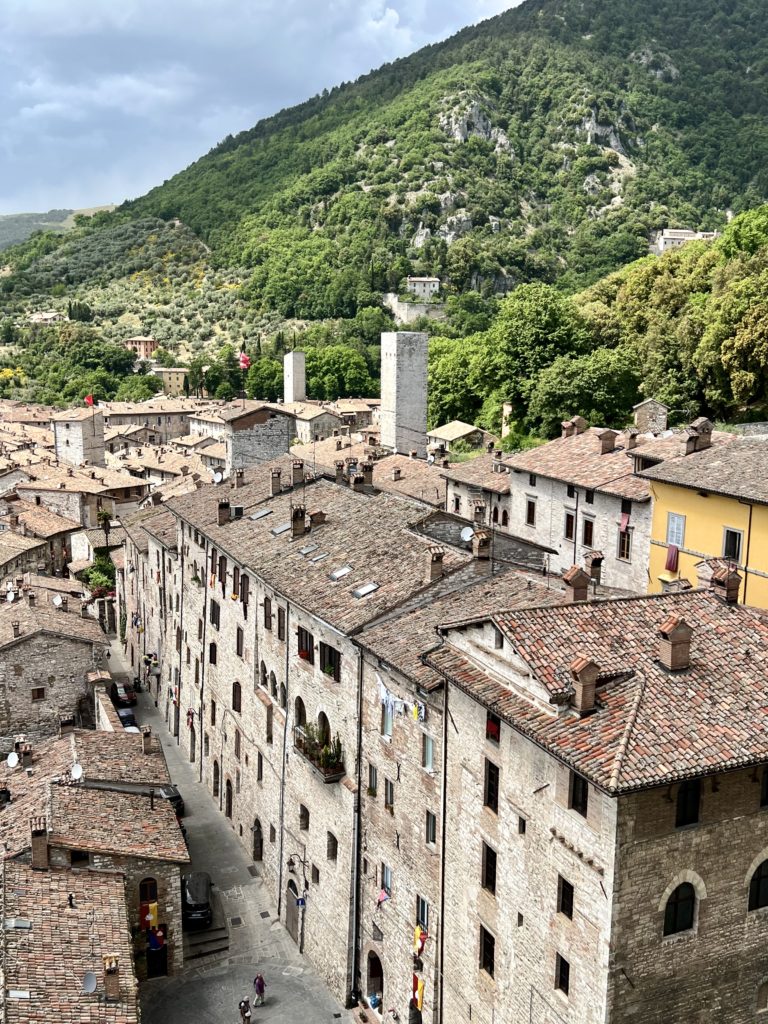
{"points": [[201, 717], [356, 843], [285, 759], [746, 554], [443, 819]]}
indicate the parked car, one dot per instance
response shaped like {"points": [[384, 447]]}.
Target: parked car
{"points": [[177, 800], [122, 695], [196, 907], [126, 717]]}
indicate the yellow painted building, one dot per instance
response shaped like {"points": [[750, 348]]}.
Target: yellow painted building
{"points": [[712, 504]]}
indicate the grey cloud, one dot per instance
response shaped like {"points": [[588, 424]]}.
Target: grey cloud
{"points": [[103, 100]]}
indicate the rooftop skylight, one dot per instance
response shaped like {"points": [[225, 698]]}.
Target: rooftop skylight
{"points": [[365, 590], [282, 528], [339, 574], [262, 513]]}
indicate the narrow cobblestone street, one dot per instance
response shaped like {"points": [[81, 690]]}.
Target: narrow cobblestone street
{"points": [[210, 988]]}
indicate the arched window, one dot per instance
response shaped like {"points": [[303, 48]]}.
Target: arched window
{"points": [[148, 890], [213, 653], [215, 778], [505, 518], [283, 698], [303, 818], [758, 887], [762, 996], [263, 671], [273, 685], [332, 847], [299, 712], [496, 515], [323, 729], [236, 697], [680, 910]]}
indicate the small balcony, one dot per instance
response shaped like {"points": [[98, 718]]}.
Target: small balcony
{"points": [[327, 758]]}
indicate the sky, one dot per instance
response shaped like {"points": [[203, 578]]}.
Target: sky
{"points": [[103, 99]]}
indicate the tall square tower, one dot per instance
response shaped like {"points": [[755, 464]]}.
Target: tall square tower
{"points": [[404, 391], [79, 436], [294, 377]]}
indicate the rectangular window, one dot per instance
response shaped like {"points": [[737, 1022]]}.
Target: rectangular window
{"points": [[213, 712], [530, 512], [564, 897], [387, 714], [373, 779], [764, 789], [331, 847], [732, 544], [386, 878], [223, 574], [330, 661], [259, 768], [521, 826], [215, 614], [306, 645], [625, 545], [588, 532], [491, 787], [569, 530], [239, 642], [589, 497], [389, 794], [562, 974], [281, 623], [532, 479], [626, 506], [487, 951], [571, 491], [675, 529], [492, 727], [272, 833], [422, 913], [456, 504], [267, 613], [688, 803], [578, 798], [38, 693], [237, 744], [244, 593], [427, 752], [431, 829], [315, 875], [489, 869]]}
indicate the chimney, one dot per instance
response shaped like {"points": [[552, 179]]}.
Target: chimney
{"points": [[335, 432], [298, 521], [69, 471], [489, 447], [630, 438], [16, 626], [316, 518], [607, 439], [413, 454], [31, 598], [66, 725], [5, 796], [593, 564], [479, 512], [339, 444], [675, 643], [703, 428], [367, 468], [396, 473], [14, 521], [446, 463], [111, 979], [64, 603], [481, 545], [584, 674], [239, 477], [146, 739], [498, 454], [298, 473], [39, 830], [26, 755], [83, 610], [358, 482], [223, 515], [575, 425], [339, 472], [576, 585], [726, 583], [274, 484], [436, 556]]}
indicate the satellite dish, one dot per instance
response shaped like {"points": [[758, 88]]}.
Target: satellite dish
{"points": [[57, 601], [218, 476], [10, 597], [76, 772], [12, 760], [430, 460], [89, 983], [467, 534]]}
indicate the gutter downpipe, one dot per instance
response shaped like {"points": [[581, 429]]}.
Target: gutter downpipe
{"points": [[357, 846], [443, 819], [746, 554], [285, 760]]}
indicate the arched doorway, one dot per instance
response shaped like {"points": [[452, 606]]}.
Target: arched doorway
{"points": [[375, 979], [258, 841], [292, 911], [192, 744], [299, 713], [228, 799], [323, 729]]}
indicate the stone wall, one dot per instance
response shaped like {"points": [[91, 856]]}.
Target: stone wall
{"points": [[404, 391], [268, 438], [408, 312]]}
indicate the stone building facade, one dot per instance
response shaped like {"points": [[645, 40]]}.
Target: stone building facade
{"points": [[79, 436], [404, 391]]}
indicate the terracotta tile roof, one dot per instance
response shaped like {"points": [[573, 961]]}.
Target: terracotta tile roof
{"points": [[370, 533], [133, 525], [191, 441], [29, 793], [651, 726], [232, 411], [738, 469], [50, 959], [325, 454], [122, 824], [118, 757], [13, 544], [147, 457], [418, 479], [308, 411], [166, 406], [162, 526], [90, 480], [75, 414], [578, 460], [454, 431], [45, 618], [43, 522], [401, 639], [55, 584], [479, 472], [669, 445], [97, 539]]}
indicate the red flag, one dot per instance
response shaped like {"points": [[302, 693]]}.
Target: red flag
{"points": [[88, 399], [245, 361]]}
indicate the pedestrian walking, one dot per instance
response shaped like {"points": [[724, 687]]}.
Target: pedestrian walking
{"points": [[259, 987], [245, 1011]]}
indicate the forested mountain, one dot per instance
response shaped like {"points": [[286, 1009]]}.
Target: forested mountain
{"points": [[544, 146]]}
